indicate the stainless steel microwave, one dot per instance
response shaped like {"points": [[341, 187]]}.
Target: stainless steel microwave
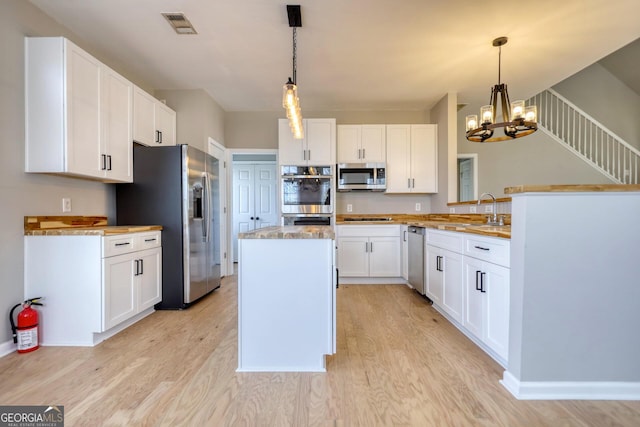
{"points": [[362, 177]]}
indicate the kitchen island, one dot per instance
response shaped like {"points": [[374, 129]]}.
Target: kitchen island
{"points": [[286, 299]]}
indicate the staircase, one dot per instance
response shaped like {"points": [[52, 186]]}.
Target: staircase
{"points": [[585, 137]]}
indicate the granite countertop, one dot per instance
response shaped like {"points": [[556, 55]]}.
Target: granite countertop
{"points": [[92, 231], [463, 223], [582, 188], [503, 231], [78, 226], [291, 232]]}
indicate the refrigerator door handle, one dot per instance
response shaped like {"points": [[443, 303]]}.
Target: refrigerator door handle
{"points": [[207, 206]]}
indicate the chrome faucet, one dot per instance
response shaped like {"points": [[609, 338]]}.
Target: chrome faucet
{"points": [[491, 220]]}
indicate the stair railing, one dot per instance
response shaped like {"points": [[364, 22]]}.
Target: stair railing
{"points": [[586, 137]]}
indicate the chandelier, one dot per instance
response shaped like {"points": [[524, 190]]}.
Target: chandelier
{"points": [[518, 121], [290, 100]]}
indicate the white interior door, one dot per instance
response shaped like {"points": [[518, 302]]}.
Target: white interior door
{"points": [[265, 198], [254, 199]]}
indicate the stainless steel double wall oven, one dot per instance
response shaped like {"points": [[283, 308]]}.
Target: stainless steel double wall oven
{"points": [[307, 195]]}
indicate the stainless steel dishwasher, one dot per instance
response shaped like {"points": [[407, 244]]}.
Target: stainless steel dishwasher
{"points": [[416, 258]]}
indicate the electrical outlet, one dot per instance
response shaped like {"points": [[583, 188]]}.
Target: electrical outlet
{"points": [[349, 207], [488, 209], [452, 210], [472, 209], [66, 204], [418, 207]]}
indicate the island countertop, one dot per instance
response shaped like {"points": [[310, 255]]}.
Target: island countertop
{"points": [[291, 232]]}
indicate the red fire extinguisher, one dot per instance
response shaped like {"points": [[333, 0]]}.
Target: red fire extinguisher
{"points": [[26, 333]]}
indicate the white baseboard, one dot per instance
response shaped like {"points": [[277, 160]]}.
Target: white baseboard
{"points": [[7, 347], [571, 390]]}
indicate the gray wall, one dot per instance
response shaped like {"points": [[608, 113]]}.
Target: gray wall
{"points": [[31, 194], [198, 117], [444, 114], [607, 100], [575, 303]]}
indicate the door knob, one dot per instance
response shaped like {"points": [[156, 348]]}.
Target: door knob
{"points": [[257, 218], [252, 218]]}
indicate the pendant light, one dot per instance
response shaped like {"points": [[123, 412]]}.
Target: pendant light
{"points": [[518, 120], [290, 100]]}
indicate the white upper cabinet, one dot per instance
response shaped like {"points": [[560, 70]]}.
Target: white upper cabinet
{"points": [[117, 95], [154, 124], [317, 148], [412, 158], [361, 143], [78, 113]]}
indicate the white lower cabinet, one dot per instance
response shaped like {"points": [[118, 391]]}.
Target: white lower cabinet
{"points": [[468, 279], [444, 280], [94, 286], [131, 285], [486, 312], [443, 269], [369, 251]]}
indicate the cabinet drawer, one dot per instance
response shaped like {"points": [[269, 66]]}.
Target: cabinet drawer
{"points": [[489, 249], [388, 230], [116, 245], [451, 240], [148, 240]]}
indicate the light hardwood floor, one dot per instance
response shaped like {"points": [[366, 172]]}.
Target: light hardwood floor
{"points": [[398, 363]]}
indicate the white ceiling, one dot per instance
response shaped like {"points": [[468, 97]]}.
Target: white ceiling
{"points": [[353, 54]]}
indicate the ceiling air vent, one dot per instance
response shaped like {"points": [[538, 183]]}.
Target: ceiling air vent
{"points": [[179, 23]]}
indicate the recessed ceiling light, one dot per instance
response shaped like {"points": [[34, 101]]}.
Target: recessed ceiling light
{"points": [[179, 23]]}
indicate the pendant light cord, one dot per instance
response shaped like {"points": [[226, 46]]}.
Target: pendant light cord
{"points": [[295, 39]]}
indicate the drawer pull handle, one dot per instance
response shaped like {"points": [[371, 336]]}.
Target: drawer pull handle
{"points": [[122, 244], [481, 248], [150, 240]]}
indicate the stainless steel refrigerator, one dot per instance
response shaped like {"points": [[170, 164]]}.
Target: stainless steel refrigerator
{"points": [[177, 187]]}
